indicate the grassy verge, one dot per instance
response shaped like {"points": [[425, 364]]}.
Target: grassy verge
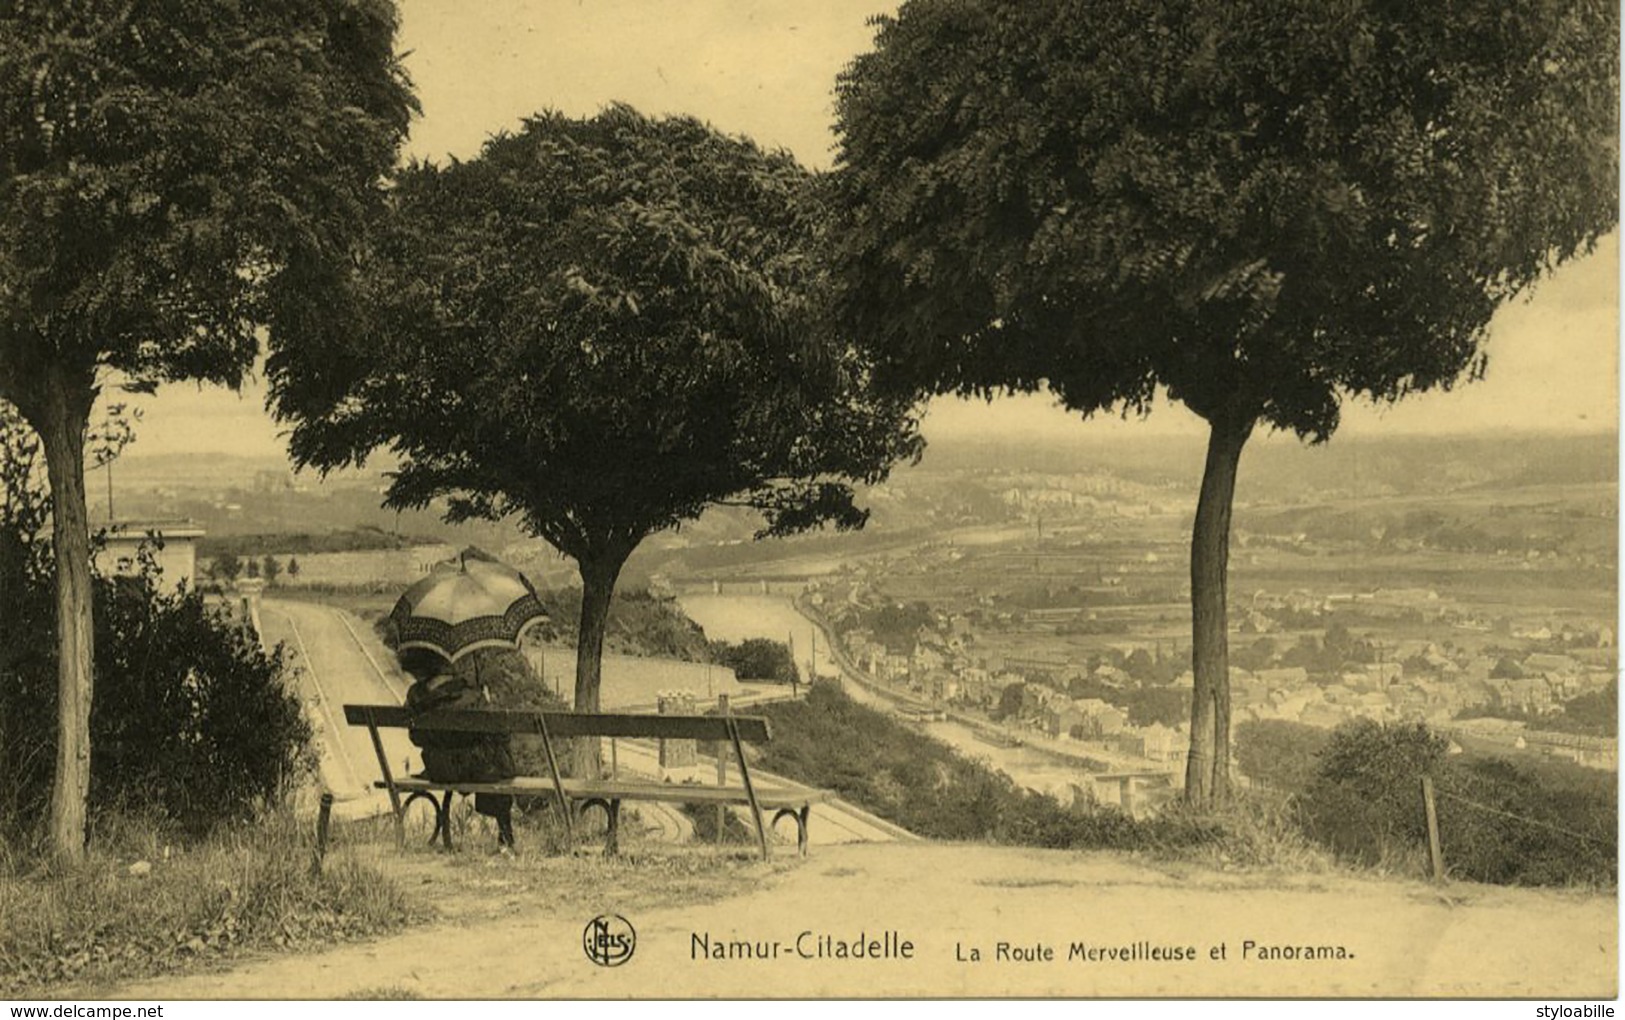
{"points": [[138, 908], [927, 787]]}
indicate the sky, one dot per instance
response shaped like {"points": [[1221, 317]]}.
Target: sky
{"points": [[766, 69]]}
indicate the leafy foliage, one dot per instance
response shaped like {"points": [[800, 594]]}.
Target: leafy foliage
{"points": [[172, 176], [638, 624], [1278, 754], [1365, 800], [359, 539], [226, 566], [602, 326], [896, 624], [1594, 713], [1512, 824], [1260, 206], [193, 721]]}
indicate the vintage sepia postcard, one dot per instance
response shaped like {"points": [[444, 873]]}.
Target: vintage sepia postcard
{"points": [[742, 499]]}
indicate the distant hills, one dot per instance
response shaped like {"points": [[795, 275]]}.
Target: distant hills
{"points": [[1276, 467], [245, 501], [1404, 462]]}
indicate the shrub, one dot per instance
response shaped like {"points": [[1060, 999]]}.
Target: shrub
{"points": [[756, 659], [1499, 821], [192, 716], [1364, 802], [1514, 824], [190, 719]]}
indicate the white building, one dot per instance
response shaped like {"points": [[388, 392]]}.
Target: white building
{"points": [[172, 545]]}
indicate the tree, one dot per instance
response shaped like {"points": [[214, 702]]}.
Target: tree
{"points": [[601, 327], [172, 177], [1507, 668], [227, 566], [293, 567], [1260, 208], [1258, 655], [757, 659], [1140, 665], [1011, 698], [270, 567]]}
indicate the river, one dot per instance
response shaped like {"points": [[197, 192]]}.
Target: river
{"points": [[737, 617]]}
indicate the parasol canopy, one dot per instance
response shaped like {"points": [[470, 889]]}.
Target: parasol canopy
{"points": [[466, 604]]}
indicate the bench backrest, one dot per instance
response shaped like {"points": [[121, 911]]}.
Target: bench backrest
{"points": [[753, 728]]}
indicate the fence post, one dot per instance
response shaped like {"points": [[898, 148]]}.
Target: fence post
{"points": [[324, 817], [1435, 855], [722, 771]]}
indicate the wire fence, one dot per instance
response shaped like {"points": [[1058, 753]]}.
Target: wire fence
{"points": [[1502, 820], [1538, 823]]}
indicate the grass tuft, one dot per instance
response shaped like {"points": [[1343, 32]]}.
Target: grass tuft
{"points": [[140, 906]]}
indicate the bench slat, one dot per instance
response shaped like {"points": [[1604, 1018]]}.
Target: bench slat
{"points": [[582, 789], [753, 728]]}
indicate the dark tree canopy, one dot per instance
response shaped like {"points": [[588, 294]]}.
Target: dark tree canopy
{"points": [[1262, 206], [601, 327], [173, 176]]}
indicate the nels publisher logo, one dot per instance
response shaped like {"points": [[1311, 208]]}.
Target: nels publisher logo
{"points": [[609, 940]]}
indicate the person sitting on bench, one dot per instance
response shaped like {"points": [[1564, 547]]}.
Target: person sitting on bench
{"points": [[450, 756]]}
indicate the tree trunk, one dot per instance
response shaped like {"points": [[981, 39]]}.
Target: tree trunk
{"points": [[598, 575], [1207, 770], [64, 416]]}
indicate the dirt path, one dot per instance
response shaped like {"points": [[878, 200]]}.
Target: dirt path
{"points": [[1394, 939]]}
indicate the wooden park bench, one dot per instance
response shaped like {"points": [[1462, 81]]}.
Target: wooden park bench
{"points": [[608, 793]]}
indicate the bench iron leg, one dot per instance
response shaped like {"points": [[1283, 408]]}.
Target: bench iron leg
{"points": [[801, 816], [612, 820], [442, 816]]}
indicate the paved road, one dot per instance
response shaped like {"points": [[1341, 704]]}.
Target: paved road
{"points": [[341, 660]]}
